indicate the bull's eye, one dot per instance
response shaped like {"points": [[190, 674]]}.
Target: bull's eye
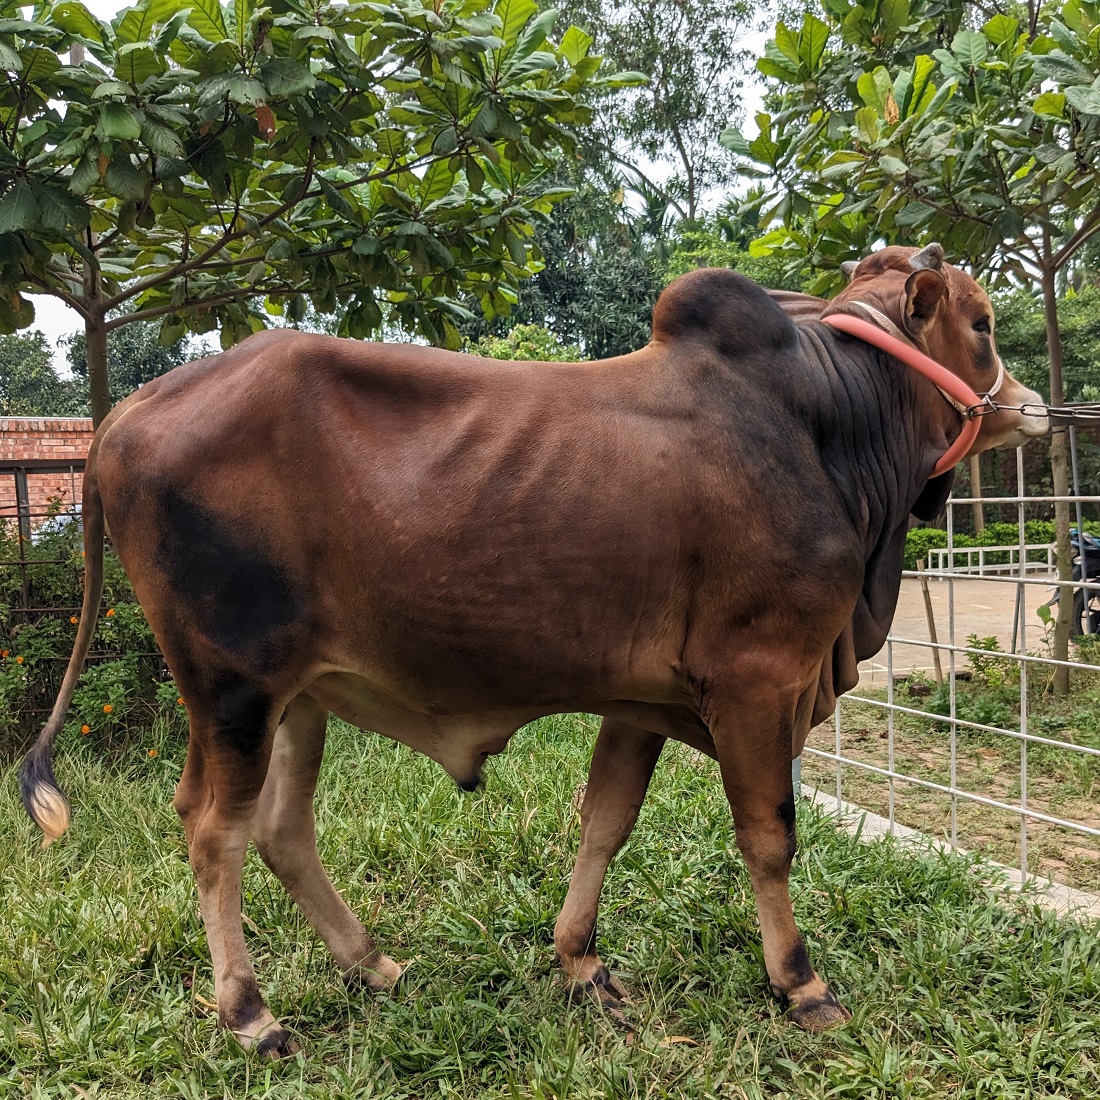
{"points": [[982, 325]]}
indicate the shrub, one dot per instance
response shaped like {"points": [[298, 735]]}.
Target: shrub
{"points": [[124, 684]]}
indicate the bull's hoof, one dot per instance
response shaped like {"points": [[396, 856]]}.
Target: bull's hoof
{"points": [[602, 990], [817, 1014], [276, 1043], [378, 976]]}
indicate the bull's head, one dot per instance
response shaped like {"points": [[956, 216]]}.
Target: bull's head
{"points": [[950, 318]]}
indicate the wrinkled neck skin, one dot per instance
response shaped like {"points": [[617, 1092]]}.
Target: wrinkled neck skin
{"points": [[881, 430]]}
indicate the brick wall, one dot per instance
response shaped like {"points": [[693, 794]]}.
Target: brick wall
{"points": [[42, 439]]}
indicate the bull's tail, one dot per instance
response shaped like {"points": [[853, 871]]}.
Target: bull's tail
{"points": [[42, 798]]}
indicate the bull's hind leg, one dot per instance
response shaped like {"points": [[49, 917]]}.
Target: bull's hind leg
{"points": [[752, 734], [622, 764], [284, 833], [226, 765]]}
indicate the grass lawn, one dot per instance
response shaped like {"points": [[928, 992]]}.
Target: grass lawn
{"points": [[104, 970], [1061, 782]]}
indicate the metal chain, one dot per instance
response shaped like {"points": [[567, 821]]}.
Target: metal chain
{"points": [[1059, 416]]}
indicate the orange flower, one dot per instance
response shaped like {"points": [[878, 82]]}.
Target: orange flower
{"points": [[18, 660], [4, 652], [107, 708], [110, 612], [85, 729], [181, 702], [72, 618], [153, 752]]}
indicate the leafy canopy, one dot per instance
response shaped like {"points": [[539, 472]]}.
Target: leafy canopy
{"points": [[188, 160], [898, 120]]}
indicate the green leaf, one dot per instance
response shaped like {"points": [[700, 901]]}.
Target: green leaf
{"points": [[124, 180], [285, 77], [119, 121], [437, 181], [1085, 100], [242, 13], [336, 199], [1065, 70], [18, 207], [1050, 105], [867, 119], [38, 64], [137, 61], [59, 210], [1002, 30], [575, 45], [136, 24], [893, 167], [812, 40], [74, 18], [513, 15], [170, 30], [892, 16], [874, 88], [161, 140], [734, 140], [923, 89], [390, 142], [786, 42], [244, 90], [207, 18], [85, 174], [970, 48]]}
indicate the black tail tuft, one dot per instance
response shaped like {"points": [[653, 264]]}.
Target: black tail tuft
{"points": [[43, 799]]}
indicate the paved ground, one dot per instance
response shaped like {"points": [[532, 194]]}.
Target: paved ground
{"points": [[984, 606]]}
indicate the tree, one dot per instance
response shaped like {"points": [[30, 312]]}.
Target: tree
{"points": [[29, 386], [530, 343], [898, 121], [192, 161], [135, 355], [692, 52], [599, 278]]}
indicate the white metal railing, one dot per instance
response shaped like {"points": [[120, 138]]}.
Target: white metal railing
{"points": [[926, 777], [944, 560]]}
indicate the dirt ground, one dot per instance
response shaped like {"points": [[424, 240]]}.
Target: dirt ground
{"points": [[985, 606]]}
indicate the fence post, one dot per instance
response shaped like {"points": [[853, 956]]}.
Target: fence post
{"points": [[23, 504]]}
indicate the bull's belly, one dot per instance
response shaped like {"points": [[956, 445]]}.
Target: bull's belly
{"points": [[461, 742]]}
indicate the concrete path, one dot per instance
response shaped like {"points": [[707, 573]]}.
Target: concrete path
{"points": [[986, 606]]}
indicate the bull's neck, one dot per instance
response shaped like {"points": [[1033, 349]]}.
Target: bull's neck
{"points": [[881, 429]]}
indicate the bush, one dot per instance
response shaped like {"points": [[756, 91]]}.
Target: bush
{"points": [[125, 683], [920, 540]]}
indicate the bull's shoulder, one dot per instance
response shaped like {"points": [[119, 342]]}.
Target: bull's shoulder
{"points": [[722, 307]]}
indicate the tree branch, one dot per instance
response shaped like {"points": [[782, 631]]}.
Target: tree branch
{"points": [[70, 300], [1085, 230], [225, 239]]}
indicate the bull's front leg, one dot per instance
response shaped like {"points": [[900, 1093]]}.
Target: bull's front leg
{"points": [[622, 764], [752, 731]]}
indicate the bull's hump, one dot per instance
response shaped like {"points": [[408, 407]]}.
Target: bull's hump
{"points": [[722, 307]]}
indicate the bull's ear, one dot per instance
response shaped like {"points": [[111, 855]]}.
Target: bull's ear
{"points": [[933, 497], [849, 269], [923, 291], [930, 258]]}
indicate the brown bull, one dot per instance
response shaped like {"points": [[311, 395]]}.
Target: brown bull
{"points": [[442, 548]]}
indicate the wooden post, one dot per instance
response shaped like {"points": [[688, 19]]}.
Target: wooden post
{"points": [[931, 623], [976, 491]]}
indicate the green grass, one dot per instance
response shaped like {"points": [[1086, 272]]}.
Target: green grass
{"points": [[1061, 782], [102, 956]]}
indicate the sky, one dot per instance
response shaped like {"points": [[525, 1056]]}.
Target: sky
{"points": [[55, 319]]}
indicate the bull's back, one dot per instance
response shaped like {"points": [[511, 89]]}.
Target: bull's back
{"points": [[445, 520]]}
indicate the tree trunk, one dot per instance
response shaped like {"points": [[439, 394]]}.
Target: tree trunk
{"points": [[1059, 469], [99, 386]]}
